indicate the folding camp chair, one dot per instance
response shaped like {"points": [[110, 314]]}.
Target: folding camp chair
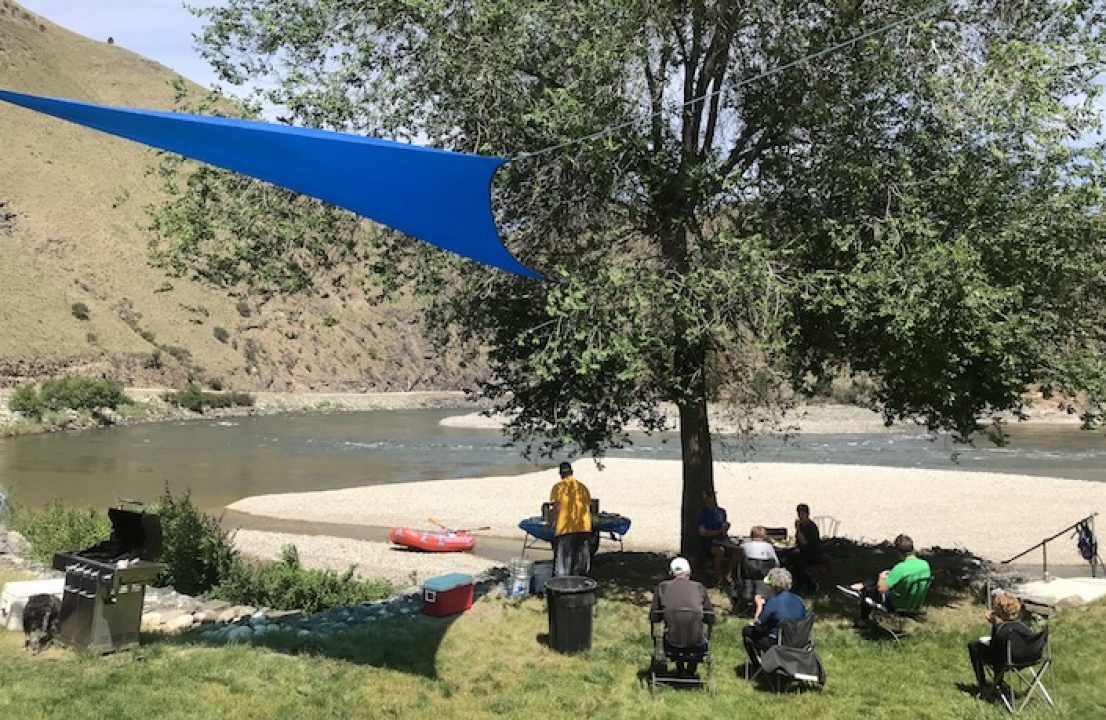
{"points": [[665, 653], [750, 574], [827, 526], [792, 659], [906, 605], [1027, 662]]}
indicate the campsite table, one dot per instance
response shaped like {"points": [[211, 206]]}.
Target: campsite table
{"points": [[538, 530]]}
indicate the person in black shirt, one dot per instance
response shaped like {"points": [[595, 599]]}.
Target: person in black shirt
{"points": [[1005, 623], [808, 550]]}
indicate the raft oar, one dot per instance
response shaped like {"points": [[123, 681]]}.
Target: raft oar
{"points": [[465, 530]]}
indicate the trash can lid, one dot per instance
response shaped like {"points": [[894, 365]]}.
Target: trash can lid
{"points": [[568, 584]]}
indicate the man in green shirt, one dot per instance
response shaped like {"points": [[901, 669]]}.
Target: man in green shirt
{"points": [[896, 587]]}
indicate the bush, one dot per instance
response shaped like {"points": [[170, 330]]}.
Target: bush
{"points": [[221, 334], [198, 553], [60, 528], [197, 400], [59, 394], [24, 399], [285, 585], [79, 310]]}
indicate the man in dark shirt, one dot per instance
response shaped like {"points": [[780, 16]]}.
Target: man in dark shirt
{"points": [[1005, 620], [714, 531], [683, 605], [807, 552]]}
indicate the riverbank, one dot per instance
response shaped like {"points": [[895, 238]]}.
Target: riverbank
{"points": [[992, 515]]}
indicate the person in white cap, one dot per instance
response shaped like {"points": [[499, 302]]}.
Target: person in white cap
{"points": [[671, 601]]}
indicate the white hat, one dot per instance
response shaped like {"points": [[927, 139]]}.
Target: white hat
{"points": [[679, 565]]}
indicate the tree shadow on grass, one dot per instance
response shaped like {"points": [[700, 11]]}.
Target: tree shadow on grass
{"points": [[633, 576], [404, 641]]}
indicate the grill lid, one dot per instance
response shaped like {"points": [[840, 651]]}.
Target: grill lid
{"points": [[135, 531]]}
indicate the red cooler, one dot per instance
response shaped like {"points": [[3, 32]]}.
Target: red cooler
{"points": [[447, 595]]}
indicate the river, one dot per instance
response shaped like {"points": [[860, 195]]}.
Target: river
{"points": [[220, 461]]}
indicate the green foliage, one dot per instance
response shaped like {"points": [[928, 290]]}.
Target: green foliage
{"points": [[79, 310], [285, 585], [197, 552], [923, 207], [60, 528], [196, 399], [330, 321], [24, 399], [59, 394]]}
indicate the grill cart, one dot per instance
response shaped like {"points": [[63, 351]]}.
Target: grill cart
{"points": [[105, 585]]}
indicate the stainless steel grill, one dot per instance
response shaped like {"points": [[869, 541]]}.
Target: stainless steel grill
{"points": [[105, 585]]}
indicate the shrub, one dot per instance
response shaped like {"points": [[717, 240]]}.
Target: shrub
{"points": [[59, 527], [243, 308], [24, 399], [221, 334], [182, 355], [81, 394], [195, 399], [285, 585], [198, 553], [79, 310], [330, 321], [59, 394]]}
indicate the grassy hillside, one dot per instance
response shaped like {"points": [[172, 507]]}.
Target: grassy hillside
{"points": [[71, 219]]}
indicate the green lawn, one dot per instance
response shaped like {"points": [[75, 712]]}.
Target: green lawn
{"points": [[492, 662]]}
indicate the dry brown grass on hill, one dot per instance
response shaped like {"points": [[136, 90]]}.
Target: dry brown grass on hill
{"points": [[71, 212]]}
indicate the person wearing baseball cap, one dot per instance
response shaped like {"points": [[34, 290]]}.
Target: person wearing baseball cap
{"points": [[671, 600]]}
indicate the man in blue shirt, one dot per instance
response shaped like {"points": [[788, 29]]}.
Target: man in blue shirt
{"points": [[714, 530], [783, 605]]}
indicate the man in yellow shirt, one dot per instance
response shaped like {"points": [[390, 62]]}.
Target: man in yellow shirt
{"points": [[572, 537]]}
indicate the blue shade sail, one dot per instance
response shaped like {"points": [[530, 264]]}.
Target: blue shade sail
{"points": [[439, 197]]}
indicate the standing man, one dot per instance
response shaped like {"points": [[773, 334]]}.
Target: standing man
{"points": [[714, 529], [572, 537]]}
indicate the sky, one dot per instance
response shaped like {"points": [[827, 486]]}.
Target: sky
{"points": [[160, 30]]}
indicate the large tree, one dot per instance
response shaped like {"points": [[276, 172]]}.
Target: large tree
{"points": [[730, 197]]}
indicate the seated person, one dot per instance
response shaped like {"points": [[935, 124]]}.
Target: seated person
{"points": [[763, 632], [671, 602], [808, 550], [758, 556], [1005, 623], [714, 529], [888, 588]]}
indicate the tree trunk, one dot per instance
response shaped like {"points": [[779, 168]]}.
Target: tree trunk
{"points": [[698, 474]]}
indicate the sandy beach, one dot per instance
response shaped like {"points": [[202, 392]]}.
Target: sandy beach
{"points": [[992, 515]]}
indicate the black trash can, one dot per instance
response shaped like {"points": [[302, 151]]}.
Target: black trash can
{"points": [[570, 600]]}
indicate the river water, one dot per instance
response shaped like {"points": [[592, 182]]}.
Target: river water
{"points": [[220, 461]]}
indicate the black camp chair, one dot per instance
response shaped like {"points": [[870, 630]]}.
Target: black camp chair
{"points": [[665, 654], [1024, 671], [792, 660], [750, 577]]}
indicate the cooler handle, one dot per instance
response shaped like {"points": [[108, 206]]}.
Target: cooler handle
{"points": [[430, 596]]}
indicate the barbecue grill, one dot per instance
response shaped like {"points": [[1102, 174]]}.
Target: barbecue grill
{"points": [[105, 585]]}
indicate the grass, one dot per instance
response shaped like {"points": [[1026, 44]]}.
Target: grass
{"points": [[493, 662]]}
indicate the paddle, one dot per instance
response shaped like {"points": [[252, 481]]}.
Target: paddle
{"points": [[465, 530]]}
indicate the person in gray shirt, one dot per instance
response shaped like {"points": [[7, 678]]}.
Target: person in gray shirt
{"points": [[684, 607]]}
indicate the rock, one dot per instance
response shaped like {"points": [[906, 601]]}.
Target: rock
{"points": [[183, 622]]}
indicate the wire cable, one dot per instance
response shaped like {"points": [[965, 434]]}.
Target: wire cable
{"points": [[908, 20]]}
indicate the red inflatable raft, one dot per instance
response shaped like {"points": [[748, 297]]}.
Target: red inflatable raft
{"points": [[433, 540]]}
